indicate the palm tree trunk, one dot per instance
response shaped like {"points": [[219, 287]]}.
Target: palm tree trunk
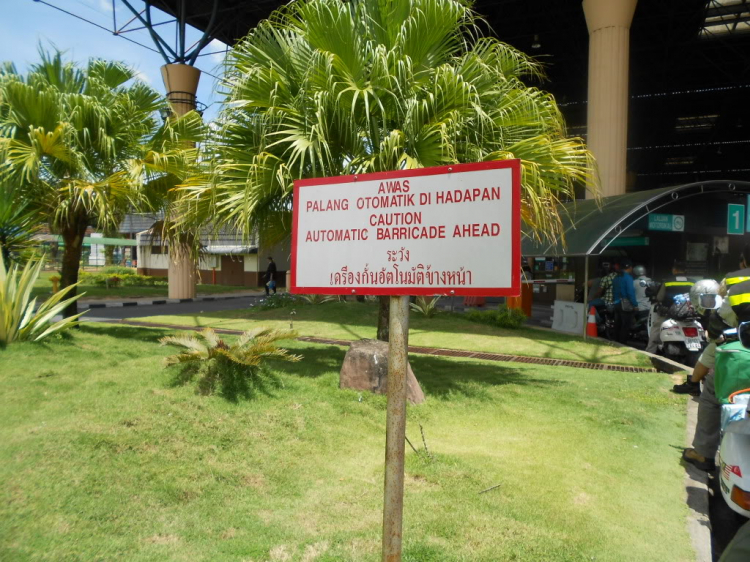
{"points": [[71, 261], [384, 317], [109, 255]]}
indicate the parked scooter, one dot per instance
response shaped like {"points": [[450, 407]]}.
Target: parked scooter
{"points": [[682, 336], [734, 450], [683, 339]]}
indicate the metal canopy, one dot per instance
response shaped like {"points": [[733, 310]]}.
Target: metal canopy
{"points": [[590, 226]]}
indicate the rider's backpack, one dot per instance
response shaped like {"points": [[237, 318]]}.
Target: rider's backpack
{"points": [[732, 370]]}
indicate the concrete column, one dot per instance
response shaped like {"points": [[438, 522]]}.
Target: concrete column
{"points": [[181, 82], [609, 22]]}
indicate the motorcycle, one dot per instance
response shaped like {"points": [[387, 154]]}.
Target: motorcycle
{"points": [[682, 337], [734, 448], [682, 340]]}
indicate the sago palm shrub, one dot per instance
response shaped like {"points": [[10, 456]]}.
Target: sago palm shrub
{"points": [[231, 368], [20, 319]]}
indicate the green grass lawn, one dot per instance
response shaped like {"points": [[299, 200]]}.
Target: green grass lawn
{"points": [[354, 320], [103, 457], [43, 289]]}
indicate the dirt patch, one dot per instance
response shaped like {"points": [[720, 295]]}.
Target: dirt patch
{"points": [[229, 533], [314, 551], [163, 539], [280, 554], [582, 499], [255, 481]]}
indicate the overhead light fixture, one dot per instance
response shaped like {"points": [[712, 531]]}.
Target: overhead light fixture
{"points": [[536, 44]]}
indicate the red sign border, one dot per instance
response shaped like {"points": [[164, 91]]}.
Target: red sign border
{"points": [[515, 283]]}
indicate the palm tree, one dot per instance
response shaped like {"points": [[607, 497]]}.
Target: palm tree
{"points": [[17, 226], [327, 87], [85, 146]]}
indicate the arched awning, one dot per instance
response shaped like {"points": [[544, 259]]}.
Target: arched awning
{"points": [[590, 226]]}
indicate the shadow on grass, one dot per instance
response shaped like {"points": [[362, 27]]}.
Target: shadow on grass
{"points": [[316, 361], [438, 377], [152, 335], [442, 378], [231, 382], [595, 357]]}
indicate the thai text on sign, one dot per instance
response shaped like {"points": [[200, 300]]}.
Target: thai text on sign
{"points": [[432, 231]]}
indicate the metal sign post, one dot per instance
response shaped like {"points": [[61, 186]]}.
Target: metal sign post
{"points": [[395, 428], [449, 230]]}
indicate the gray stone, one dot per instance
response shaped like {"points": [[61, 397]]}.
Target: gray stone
{"points": [[366, 368]]}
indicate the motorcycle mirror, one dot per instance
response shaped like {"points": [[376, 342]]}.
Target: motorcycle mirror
{"points": [[743, 331], [730, 334]]}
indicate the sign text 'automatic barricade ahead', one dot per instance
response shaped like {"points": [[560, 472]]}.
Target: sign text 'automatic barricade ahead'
{"points": [[448, 230]]}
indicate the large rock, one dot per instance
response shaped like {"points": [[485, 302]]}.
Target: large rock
{"points": [[366, 368]]}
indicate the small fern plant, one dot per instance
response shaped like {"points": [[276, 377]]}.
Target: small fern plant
{"points": [[231, 368], [427, 307]]}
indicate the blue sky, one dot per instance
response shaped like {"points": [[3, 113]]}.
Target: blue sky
{"points": [[26, 23]]}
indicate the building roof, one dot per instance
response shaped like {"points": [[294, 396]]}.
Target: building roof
{"points": [[223, 243], [689, 74], [138, 222]]}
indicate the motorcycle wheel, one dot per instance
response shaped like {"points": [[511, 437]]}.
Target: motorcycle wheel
{"points": [[609, 330]]}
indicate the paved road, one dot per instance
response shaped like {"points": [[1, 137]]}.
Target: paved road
{"points": [[199, 307]]}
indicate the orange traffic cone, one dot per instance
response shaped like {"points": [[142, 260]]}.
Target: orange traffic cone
{"points": [[591, 329]]}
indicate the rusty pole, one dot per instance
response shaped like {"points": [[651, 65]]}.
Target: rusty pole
{"points": [[395, 433]]}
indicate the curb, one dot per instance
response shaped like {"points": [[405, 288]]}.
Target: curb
{"points": [[118, 304], [696, 495]]}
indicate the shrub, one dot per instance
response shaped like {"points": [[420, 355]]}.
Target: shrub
{"points": [[280, 300], [117, 270], [504, 317], [18, 320], [103, 279], [426, 307], [231, 368]]}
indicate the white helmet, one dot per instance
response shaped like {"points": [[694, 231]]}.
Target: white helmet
{"points": [[705, 295]]}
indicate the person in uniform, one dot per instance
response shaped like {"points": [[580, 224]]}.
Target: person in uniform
{"points": [[677, 284], [735, 287]]}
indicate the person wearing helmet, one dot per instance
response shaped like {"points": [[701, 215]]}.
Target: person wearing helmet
{"points": [[677, 284], [704, 296], [640, 284], [736, 289]]}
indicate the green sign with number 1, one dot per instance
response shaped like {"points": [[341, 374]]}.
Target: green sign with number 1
{"points": [[735, 219]]}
